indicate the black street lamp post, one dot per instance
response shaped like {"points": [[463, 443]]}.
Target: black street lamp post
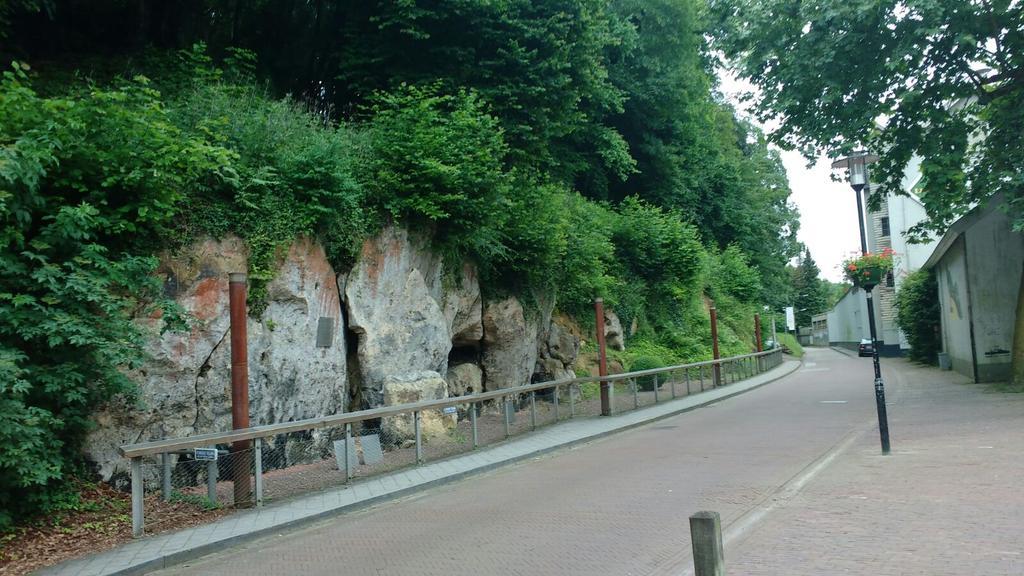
{"points": [[857, 166]]}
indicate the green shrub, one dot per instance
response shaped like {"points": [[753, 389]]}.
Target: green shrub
{"points": [[646, 383], [655, 244], [586, 269], [436, 161], [292, 175], [917, 314], [87, 183]]}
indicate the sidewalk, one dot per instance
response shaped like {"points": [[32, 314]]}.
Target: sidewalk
{"points": [[948, 500], [163, 550]]}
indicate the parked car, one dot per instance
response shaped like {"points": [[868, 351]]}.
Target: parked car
{"points": [[770, 344], [866, 348]]}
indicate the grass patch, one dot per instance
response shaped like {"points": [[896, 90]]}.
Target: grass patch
{"points": [[789, 342]]}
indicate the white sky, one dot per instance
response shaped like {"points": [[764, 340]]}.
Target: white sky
{"points": [[828, 210]]}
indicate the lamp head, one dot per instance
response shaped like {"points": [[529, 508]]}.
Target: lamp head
{"points": [[857, 165]]}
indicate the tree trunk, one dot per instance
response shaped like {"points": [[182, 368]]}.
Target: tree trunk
{"points": [[1017, 375]]}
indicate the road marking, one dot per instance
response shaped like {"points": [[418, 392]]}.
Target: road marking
{"points": [[816, 370], [809, 364], [746, 523], [833, 401], [742, 526]]}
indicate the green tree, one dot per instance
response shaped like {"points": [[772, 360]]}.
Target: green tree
{"points": [[86, 183], [947, 77], [810, 294], [942, 80]]}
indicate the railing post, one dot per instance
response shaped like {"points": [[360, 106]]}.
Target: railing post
{"points": [[556, 403], [211, 481], [706, 539], [508, 417], [636, 393], [165, 459], [258, 469], [686, 375], [673, 379], [472, 419], [533, 410], [572, 402], [138, 521], [419, 437], [348, 457]]}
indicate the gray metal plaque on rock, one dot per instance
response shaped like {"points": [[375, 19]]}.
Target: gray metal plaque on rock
{"points": [[325, 332], [372, 452], [339, 453]]}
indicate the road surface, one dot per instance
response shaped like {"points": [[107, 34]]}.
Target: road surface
{"points": [[619, 505]]}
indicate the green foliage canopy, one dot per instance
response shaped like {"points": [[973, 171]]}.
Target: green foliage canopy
{"points": [[85, 181], [945, 77]]}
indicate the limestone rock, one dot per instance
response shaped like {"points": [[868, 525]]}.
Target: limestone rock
{"points": [[562, 344], [614, 337], [409, 388], [509, 344], [463, 308], [392, 301], [557, 352], [298, 378], [184, 386], [464, 379]]}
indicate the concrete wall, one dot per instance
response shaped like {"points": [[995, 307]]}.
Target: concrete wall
{"points": [[955, 302], [995, 256], [848, 320], [819, 330]]}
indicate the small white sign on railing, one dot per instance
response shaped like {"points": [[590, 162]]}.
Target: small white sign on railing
{"points": [[207, 454]]}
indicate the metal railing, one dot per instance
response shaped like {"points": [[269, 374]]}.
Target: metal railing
{"points": [[279, 460]]}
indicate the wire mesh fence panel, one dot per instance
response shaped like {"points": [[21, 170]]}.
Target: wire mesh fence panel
{"points": [[444, 433], [302, 462], [191, 487], [586, 399], [546, 407]]}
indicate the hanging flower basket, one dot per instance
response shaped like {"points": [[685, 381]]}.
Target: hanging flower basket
{"points": [[868, 270]]}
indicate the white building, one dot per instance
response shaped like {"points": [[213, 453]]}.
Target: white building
{"points": [[885, 228]]}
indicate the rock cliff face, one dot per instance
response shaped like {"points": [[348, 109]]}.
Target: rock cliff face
{"points": [[184, 388], [416, 333]]}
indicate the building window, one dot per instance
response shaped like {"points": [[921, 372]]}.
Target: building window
{"points": [[885, 225]]}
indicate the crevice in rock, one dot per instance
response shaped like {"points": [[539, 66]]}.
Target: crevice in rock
{"points": [[354, 374], [204, 369]]}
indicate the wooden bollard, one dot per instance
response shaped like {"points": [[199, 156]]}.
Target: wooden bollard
{"points": [[706, 537]]}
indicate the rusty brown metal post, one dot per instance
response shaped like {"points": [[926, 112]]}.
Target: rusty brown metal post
{"points": [[602, 359], [241, 458], [717, 368], [757, 332]]}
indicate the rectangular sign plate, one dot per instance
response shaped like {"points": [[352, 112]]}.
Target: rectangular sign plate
{"points": [[208, 454]]}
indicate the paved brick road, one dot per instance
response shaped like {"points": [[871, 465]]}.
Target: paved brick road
{"points": [[949, 501], [620, 505]]}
